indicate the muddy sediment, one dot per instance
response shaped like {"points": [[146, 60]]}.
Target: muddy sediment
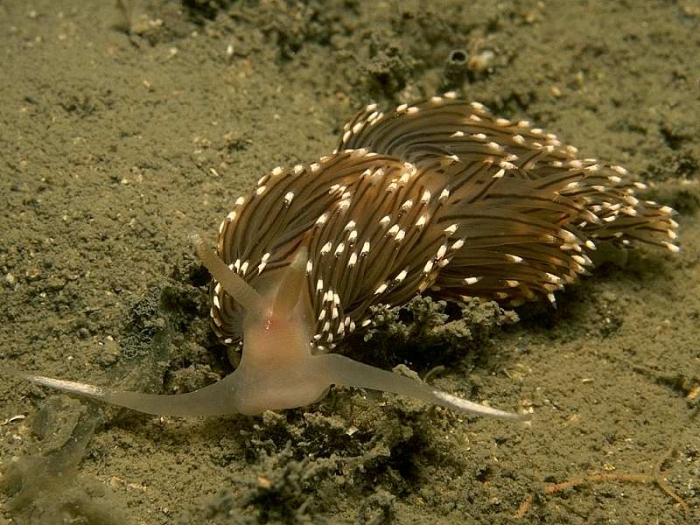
{"points": [[124, 128]]}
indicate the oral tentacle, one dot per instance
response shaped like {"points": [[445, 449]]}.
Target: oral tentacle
{"points": [[344, 371], [212, 400]]}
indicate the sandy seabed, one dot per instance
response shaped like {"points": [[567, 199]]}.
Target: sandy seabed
{"points": [[124, 129]]}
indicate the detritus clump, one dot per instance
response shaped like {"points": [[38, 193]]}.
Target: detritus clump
{"points": [[144, 323], [378, 509], [285, 487], [45, 487], [282, 490], [388, 67], [425, 333], [366, 443]]}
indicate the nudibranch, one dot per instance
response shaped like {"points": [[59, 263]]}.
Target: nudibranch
{"points": [[438, 196]]}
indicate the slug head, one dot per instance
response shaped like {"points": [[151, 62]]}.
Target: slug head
{"points": [[277, 369]]}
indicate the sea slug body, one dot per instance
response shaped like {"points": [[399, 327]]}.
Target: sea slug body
{"points": [[439, 196], [436, 196]]}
